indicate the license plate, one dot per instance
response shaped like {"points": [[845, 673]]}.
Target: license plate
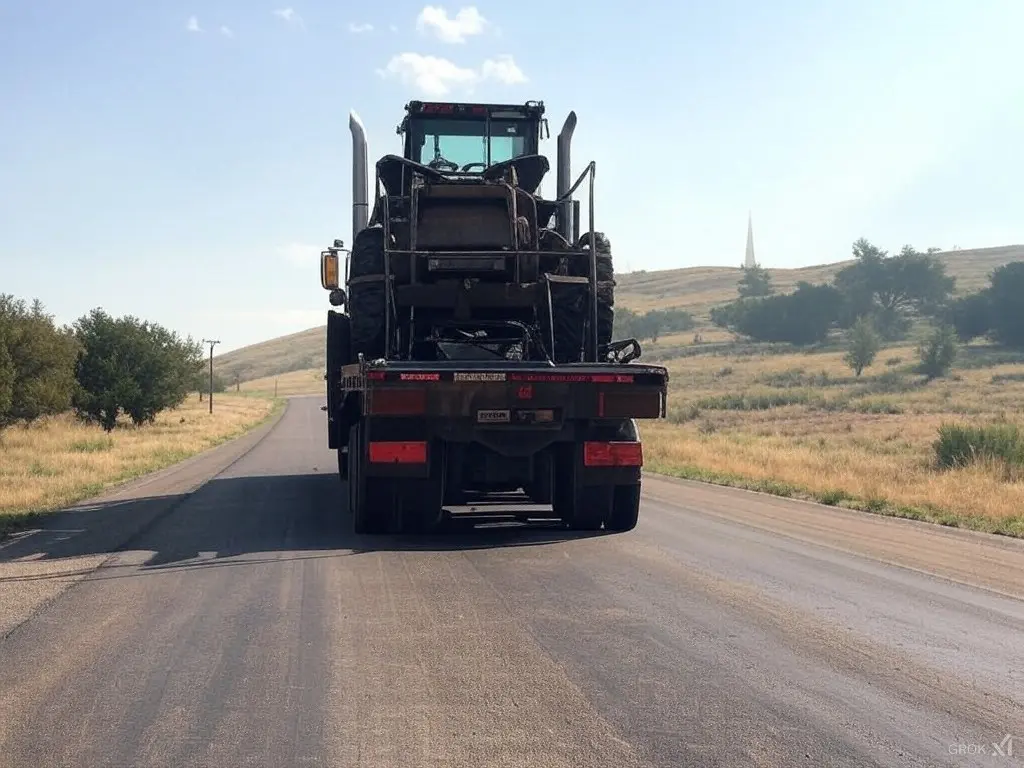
{"points": [[493, 416]]}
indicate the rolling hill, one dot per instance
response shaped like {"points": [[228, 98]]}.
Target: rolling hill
{"points": [[695, 289]]}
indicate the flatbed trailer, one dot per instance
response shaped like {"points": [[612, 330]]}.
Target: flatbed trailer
{"points": [[414, 437]]}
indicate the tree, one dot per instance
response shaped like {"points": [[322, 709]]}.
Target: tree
{"points": [[756, 282], [727, 315], [971, 315], [132, 367], [6, 381], [892, 287], [1006, 306], [38, 362], [864, 346], [802, 317], [937, 352], [201, 381], [650, 325]]}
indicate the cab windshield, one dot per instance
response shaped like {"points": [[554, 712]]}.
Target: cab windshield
{"points": [[464, 145]]}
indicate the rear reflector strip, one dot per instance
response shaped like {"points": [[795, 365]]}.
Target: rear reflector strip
{"points": [[398, 453], [614, 454]]}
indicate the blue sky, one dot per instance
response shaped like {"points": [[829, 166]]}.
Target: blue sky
{"points": [[185, 162]]}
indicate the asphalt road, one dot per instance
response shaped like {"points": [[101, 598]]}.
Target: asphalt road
{"points": [[238, 622]]}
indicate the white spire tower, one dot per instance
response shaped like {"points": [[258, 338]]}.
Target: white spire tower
{"points": [[750, 262]]}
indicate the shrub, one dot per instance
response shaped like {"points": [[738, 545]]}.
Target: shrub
{"points": [[863, 347], [959, 445], [937, 352]]}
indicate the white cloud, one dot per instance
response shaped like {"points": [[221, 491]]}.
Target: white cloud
{"points": [[358, 29], [192, 25], [289, 16], [226, 31], [503, 69], [451, 29], [434, 76]]}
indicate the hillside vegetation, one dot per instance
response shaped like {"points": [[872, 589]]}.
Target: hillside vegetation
{"points": [[694, 289], [697, 289], [293, 352]]}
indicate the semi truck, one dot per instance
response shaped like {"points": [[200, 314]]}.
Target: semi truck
{"points": [[471, 354]]}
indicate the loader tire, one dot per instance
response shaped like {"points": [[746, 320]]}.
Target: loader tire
{"points": [[567, 323], [605, 284], [366, 302]]}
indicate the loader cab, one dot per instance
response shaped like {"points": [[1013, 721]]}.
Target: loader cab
{"points": [[469, 138]]}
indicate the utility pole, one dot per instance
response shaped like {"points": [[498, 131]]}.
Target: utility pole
{"points": [[212, 343]]}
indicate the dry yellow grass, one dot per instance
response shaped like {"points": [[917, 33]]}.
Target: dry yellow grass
{"points": [[309, 381], [58, 461], [296, 351], [803, 425]]}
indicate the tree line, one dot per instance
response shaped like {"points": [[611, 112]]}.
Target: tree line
{"points": [[100, 367], [651, 325], [887, 290]]}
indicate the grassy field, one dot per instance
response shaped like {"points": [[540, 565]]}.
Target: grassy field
{"points": [[59, 461], [802, 425], [309, 381]]}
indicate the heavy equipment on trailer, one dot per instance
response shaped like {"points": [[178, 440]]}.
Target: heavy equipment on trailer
{"points": [[476, 353]]}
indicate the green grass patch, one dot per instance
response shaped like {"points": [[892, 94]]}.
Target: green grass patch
{"points": [[960, 445], [95, 445]]}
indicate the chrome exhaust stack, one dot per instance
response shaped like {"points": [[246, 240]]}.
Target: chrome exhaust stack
{"points": [[563, 170], [360, 201]]}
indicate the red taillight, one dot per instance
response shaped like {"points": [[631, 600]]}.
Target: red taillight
{"points": [[397, 402], [398, 453], [616, 454]]}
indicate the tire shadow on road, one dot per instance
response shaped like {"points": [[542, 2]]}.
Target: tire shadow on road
{"points": [[243, 520]]}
